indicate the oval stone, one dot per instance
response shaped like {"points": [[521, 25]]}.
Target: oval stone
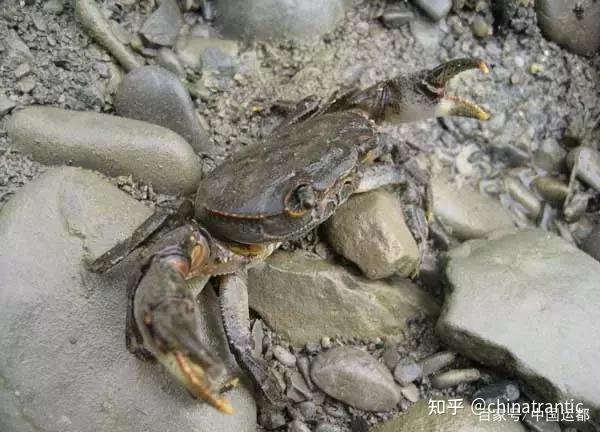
{"points": [[356, 378], [112, 145]]}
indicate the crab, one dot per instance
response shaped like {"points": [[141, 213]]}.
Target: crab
{"points": [[265, 194]]}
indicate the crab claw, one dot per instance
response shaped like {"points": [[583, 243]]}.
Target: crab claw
{"points": [[167, 317], [434, 83], [414, 97]]}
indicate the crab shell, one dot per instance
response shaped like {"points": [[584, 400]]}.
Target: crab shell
{"points": [[250, 198]]}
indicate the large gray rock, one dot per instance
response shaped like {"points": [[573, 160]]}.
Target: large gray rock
{"points": [[356, 378], [419, 419], [155, 95], [304, 298], [369, 230], [63, 363], [466, 213], [560, 22], [112, 145], [292, 19], [529, 302]]}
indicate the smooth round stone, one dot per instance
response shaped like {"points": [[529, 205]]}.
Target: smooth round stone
{"points": [[275, 19], [407, 371], [285, 357], [560, 22], [156, 95], [63, 363], [112, 145], [356, 378]]}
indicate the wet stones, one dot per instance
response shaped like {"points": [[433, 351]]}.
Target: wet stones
{"points": [[356, 378], [466, 213], [6, 105], [380, 244], [155, 95], [300, 20], [162, 26], [532, 277], [69, 324], [591, 244], [573, 25], [303, 297], [112, 145]]}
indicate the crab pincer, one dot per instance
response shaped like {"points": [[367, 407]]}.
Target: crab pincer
{"points": [[166, 318]]}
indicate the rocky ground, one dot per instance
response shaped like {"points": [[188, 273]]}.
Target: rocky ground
{"points": [[496, 298]]}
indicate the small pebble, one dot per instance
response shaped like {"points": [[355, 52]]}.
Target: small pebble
{"points": [[455, 377], [407, 371], [304, 367], [298, 426], [481, 28], [326, 342], [411, 392], [551, 189], [397, 15], [22, 70], [312, 347], [436, 362], [308, 410], [285, 357], [505, 391], [391, 357]]}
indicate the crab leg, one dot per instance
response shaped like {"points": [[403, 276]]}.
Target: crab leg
{"points": [[166, 320], [234, 309]]}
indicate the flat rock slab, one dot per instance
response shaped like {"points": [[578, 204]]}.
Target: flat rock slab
{"points": [[63, 363], [369, 230], [305, 298], [356, 378], [112, 145], [156, 95], [419, 419], [529, 302]]}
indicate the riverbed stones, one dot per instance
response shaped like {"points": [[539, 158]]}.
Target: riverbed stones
{"points": [[464, 212], [591, 244], [156, 95], [303, 297], [162, 26], [419, 419], [499, 287], [573, 26], [369, 230], [356, 378], [299, 20], [64, 364], [112, 145]]}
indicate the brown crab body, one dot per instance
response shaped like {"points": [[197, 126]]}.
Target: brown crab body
{"points": [[257, 196]]}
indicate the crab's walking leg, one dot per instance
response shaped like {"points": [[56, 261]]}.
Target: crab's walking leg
{"points": [[118, 252], [234, 309], [164, 320], [377, 176]]}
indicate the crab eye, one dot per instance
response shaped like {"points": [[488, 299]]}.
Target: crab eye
{"points": [[300, 200]]}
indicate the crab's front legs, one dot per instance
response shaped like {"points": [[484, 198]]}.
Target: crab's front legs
{"points": [[163, 320]]}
